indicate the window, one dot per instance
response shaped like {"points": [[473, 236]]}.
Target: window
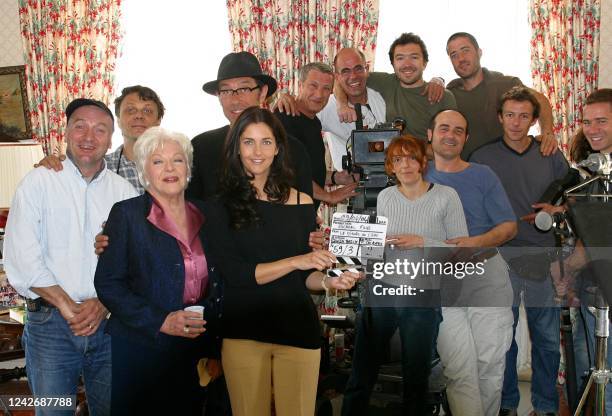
{"points": [[174, 50], [501, 28]]}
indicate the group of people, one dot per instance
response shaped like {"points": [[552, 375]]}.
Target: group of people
{"points": [[226, 221]]}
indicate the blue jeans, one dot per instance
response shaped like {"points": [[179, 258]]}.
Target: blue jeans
{"points": [[580, 350], [56, 358], [374, 328], [543, 321]]}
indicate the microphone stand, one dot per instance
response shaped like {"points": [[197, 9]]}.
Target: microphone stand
{"points": [[600, 375], [568, 338]]}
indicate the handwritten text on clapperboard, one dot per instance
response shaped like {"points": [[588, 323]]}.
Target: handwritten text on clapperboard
{"points": [[355, 235]]}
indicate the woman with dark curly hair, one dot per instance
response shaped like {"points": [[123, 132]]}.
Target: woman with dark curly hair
{"points": [[271, 330]]}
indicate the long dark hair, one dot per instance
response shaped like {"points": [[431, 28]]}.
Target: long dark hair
{"points": [[235, 188], [579, 147]]}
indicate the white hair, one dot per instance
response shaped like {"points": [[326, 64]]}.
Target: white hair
{"points": [[154, 138]]}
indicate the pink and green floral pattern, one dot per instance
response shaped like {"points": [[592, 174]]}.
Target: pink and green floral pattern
{"points": [[564, 58], [286, 34], [70, 48]]}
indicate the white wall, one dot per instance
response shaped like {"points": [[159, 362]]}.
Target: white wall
{"points": [[502, 32], [11, 47], [174, 51]]}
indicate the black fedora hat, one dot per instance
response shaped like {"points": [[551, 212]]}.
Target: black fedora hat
{"points": [[236, 65]]}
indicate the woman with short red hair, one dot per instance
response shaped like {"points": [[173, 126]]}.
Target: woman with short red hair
{"points": [[420, 214]]}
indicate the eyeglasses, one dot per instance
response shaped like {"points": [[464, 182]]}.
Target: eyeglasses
{"points": [[237, 91], [357, 70]]}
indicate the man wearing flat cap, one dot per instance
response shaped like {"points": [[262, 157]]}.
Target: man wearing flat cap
{"points": [[240, 84], [50, 261]]}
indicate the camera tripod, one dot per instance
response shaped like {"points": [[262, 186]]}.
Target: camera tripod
{"points": [[592, 220], [600, 375]]}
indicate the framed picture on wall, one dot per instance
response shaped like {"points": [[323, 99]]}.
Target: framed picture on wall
{"points": [[14, 121]]}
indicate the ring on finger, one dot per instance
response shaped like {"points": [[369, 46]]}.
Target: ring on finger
{"points": [[186, 329]]}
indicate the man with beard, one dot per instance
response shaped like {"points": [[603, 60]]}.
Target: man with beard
{"points": [[351, 74], [477, 91], [404, 90]]}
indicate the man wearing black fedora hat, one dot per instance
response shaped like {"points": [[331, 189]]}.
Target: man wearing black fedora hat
{"points": [[240, 84]]}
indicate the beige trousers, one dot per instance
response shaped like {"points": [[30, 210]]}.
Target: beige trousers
{"points": [[254, 370]]}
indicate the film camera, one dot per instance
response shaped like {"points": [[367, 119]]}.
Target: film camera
{"points": [[367, 157]]}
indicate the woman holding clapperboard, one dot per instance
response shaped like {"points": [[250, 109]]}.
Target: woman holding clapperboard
{"points": [[260, 236], [420, 214]]}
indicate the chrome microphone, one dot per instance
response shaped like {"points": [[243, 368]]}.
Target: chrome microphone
{"points": [[598, 162], [545, 221]]}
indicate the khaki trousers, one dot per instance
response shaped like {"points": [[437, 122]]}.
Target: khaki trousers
{"points": [[254, 370]]}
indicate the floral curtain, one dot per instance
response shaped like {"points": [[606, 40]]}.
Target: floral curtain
{"points": [[70, 47], [286, 34], [564, 58]]}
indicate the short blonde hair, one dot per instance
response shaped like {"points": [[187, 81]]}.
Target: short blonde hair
{"points": [[154, 138]]}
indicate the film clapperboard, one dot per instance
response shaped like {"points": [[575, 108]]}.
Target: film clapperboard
{"points": [[355, 239]]}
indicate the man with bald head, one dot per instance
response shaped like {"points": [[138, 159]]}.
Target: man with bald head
{"points": [[351, 73], [50, 261], [476, 329]]}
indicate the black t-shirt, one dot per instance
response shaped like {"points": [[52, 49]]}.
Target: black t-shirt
{"points": [[308, 131], [208, 154]]}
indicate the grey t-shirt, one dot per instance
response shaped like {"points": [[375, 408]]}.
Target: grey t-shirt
{"points": [[525, 176], [436, 216]]}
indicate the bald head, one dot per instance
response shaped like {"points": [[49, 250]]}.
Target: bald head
{"points": [[345, 53], [447, 133], [351, 74]]}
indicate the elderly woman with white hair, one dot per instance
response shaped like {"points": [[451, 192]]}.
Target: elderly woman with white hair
{"points": [[154, 266]]}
